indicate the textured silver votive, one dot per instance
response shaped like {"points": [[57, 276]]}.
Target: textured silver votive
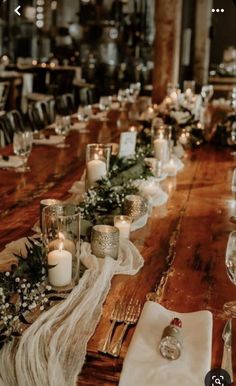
{"points": [[134, 206], [105, 241], [44, 203]]}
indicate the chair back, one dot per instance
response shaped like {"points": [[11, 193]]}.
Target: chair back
{"points": [[4, 91], [65, 104], [14, 122], [41, 114], [5, 137]]}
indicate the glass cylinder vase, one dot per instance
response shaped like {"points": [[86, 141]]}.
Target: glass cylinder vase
{"points": [[97, 162], [61, 235], [160, 139]]}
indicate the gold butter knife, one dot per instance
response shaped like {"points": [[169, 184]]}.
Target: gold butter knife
{"points": [[226, 363]]}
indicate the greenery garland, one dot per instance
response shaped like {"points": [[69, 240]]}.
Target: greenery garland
{"points": [[105, 200]]}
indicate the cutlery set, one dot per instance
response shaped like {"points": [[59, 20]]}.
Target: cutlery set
{"points": [[126, 313]]}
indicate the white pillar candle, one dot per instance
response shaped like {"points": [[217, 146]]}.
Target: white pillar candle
{"points": [[161, 149], [174, 96], [61, 274], [150, 113], [96, 169], [123, 223]]}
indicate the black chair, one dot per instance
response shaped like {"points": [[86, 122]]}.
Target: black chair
{"points": [[41, 114], [65, 104], [4, 131], [86, 96], [4, 91], [14, 122]]}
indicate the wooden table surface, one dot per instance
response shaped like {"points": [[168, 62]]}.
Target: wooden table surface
{"points": [[183, 243]]}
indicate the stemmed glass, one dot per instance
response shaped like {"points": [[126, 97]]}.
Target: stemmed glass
{"points": [[134, 90], [22, 146], [105, 103], [230, 262], [83, 115], [62, 127], [207, 92], [233, 189]]}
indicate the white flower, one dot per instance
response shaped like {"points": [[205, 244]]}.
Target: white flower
{"points": [[17, 279], [48, 287], [24, 304], [7, 273]]}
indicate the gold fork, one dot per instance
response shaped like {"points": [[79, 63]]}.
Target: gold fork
{"points": [[117, 316], [131, 317]]}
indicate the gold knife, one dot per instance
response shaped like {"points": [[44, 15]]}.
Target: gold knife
{"points": [[226, 363]]}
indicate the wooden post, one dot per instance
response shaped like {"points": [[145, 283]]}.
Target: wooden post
{"points": [[166, 46], [202, 40]]}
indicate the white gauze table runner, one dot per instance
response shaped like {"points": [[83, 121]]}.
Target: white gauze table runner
{"points": [[52, 351]]}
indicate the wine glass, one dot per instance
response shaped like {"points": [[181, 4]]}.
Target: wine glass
{"points": [[207, 92], [83, 115], [134, 90], [230, 262], [233, 189], [105, 103], [62, 127], [22, 146]]}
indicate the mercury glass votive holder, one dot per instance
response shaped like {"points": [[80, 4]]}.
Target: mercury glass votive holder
{"points": [[135, 206], [44, 203], [105, 241]]}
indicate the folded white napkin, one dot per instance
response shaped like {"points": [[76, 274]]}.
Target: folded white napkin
{"points": [[151, 190], [51, 141], [12, 162], [144, 365], [78, 126], [99, 115]]}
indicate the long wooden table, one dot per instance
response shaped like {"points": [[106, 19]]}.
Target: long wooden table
{"points": [[183, 243]]}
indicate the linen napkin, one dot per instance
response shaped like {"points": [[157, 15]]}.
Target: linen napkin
{"points": [[79, 126], [144, 365], [13, 162], [51, 141]]}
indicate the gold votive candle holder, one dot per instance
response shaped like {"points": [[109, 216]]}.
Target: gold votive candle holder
{"points": [[135, 206], [105, 241]]}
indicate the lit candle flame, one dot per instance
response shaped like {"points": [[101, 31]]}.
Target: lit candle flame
{"points": [[62, 239]]}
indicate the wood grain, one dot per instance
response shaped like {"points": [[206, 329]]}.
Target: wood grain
{"points": [[183, 243]]}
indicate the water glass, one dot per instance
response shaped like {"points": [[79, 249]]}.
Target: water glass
{"points": [[230, 262], [233, 189], [62, 127], [207, 92], [22, 146]]}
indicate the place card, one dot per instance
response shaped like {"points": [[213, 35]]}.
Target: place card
{"points": [[127, 143]]}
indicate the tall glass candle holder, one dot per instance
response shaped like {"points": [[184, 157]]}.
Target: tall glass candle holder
{"points": [[61, 235], [160, 136], [97, 162]]}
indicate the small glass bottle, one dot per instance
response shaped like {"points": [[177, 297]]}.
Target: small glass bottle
{"points": [[171, 340]]}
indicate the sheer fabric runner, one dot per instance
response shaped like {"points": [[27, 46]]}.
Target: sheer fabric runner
{"points": [[51, 352]]}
